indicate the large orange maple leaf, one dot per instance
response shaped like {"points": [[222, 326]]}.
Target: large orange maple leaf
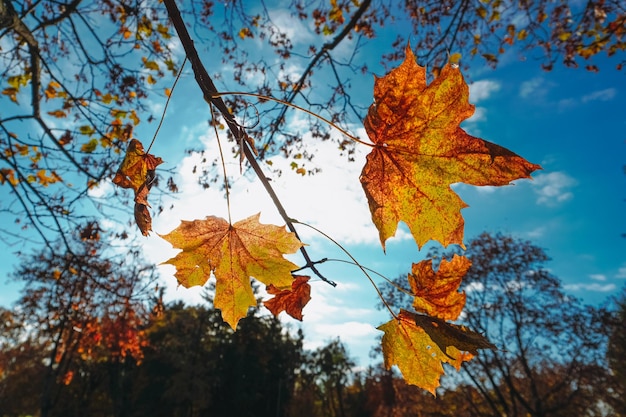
{"points": [[420, 149], [233, 253]]}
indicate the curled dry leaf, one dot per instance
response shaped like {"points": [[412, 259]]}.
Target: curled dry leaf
{"points": [[233, 253], [291, 301], [420, 149], [137, 172]]}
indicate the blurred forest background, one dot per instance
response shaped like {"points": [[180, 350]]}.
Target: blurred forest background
{"points": [[90, 334]]}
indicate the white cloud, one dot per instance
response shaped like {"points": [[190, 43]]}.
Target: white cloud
{"points": [[598, 277], [536, 233], [474, 287], [292, 27], [553, 188], [600, 95], [533, 87], [595, 287], [482, 90], [621, 273]]}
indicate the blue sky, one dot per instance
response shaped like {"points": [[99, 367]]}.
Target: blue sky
{"points": [[571, 121]]}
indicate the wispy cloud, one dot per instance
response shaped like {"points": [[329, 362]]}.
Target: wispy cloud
{"points": [[295, 30], [535, 87], [621, 273], [600, 95], [553, 188], [598, 277], [606, 94], [595, 287]]}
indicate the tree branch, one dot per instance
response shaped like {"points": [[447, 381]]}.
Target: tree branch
{"points": [[211, 96]]}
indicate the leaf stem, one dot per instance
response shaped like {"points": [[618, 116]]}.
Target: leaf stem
{"points": [[361, 267], [166, 103], [295, 106], [219, 145]]}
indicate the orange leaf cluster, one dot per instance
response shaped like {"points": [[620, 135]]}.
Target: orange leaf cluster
{"points": [[420, 343], [419, 150], [233, 253], [137, 171]]}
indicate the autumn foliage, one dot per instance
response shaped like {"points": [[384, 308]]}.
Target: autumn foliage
{"points": [[418, 151]]}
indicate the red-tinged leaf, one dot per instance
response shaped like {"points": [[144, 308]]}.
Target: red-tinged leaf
{"points": [[143, 218], [59, 114], [436, 292], [234, 254], [291, 301], [419, 150]]}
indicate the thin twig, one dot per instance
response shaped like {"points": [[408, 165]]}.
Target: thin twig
{"points": [[166, 103]]}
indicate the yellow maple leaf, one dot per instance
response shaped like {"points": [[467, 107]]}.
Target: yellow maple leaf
{"points": [[419, 150], [233, 253], [419, 345], [436, 292]]}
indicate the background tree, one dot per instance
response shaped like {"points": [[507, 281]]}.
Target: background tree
{"points": [[197, 365], [76, 76], [22, 363], [83, 307], [617, 357], [550, 357], [329, 384]]}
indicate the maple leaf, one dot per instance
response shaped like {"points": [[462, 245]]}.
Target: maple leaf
{"points": [[233, 253], [419, 345], [419, 150], [436, 292], [137, 171], [292, 301]]}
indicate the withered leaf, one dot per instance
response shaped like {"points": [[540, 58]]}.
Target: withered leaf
{"points": [[137, 172], [292, 301], [420, 345]]}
